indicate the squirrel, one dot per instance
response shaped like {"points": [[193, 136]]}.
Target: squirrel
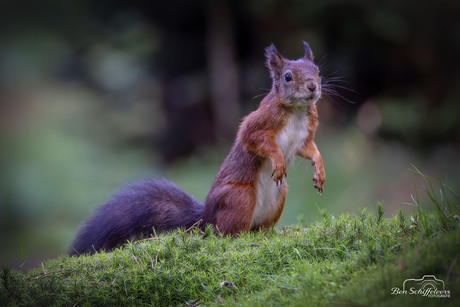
{"points": [[249, 190]]}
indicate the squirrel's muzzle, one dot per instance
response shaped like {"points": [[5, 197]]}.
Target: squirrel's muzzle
{"points": [[311, 85]]}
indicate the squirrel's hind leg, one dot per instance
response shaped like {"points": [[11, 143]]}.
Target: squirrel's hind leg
{"points": [[235, 207]]}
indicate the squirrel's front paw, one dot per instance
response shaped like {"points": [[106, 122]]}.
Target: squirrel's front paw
{"points": [[319, 178], [278, 171]]}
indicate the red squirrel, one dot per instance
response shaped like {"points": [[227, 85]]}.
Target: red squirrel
{"points": [[249, 191]]}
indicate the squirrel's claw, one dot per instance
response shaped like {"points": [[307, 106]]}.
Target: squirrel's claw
{"points": [[320, 189], [278, 172], [279, 181], [319, 184]]}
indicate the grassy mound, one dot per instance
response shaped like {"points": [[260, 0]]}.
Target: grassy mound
{"points": [[347, 260]]}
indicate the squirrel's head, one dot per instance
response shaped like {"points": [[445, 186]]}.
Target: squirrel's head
{"points": [[298, 83]]}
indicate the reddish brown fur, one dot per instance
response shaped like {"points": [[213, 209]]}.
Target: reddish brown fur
{"points": [[311, 152], [231, 202]]}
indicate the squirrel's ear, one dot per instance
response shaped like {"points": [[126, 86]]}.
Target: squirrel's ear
{"points": [[275, 60], [308, 52]]}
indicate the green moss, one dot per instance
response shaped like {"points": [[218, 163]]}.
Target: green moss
{"points": [[346, 260]]}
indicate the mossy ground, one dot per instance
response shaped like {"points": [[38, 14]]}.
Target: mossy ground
{"points": [[352, 260]]}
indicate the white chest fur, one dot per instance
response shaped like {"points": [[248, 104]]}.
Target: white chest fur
{"points": [[293, 136], [290, 140]]}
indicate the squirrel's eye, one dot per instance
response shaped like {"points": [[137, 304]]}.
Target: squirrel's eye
{"points": [[288, 77]]}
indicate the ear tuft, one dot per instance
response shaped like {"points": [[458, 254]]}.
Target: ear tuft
{"points": [[275, 60], [308, 53]]}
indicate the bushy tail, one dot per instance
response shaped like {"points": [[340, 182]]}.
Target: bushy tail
{"points": [[133, 212]]}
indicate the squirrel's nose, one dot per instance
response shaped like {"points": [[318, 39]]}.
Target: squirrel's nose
{"points": [[311, 85]]}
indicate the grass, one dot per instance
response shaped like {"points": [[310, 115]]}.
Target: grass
{"points": [[351, 260]]}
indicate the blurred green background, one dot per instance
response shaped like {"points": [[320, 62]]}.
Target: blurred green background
{"points": [[94, 94]]}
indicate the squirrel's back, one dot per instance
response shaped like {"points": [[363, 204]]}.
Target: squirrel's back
{"points": [[132, 213]]}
